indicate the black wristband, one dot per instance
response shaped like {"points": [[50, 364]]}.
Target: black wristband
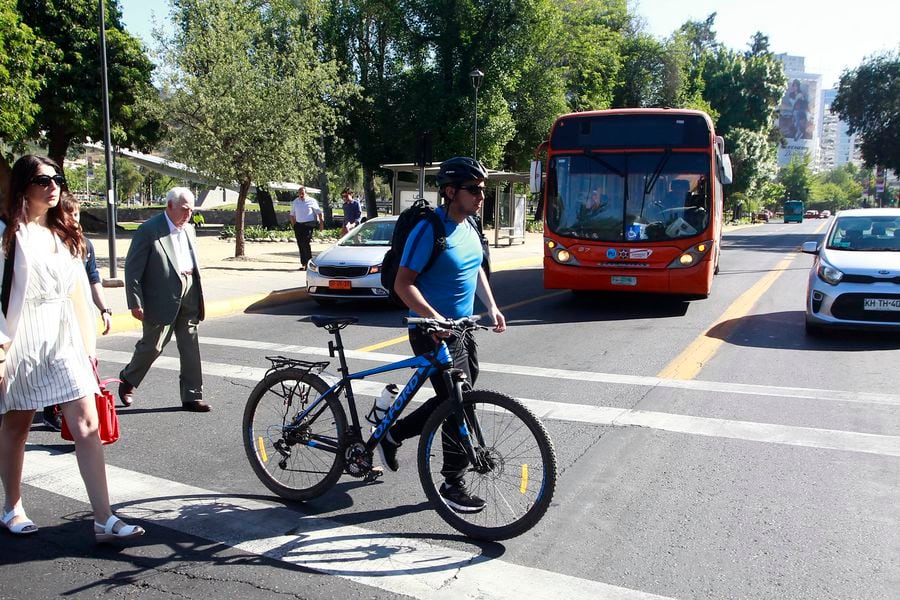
{"points": [[106, 311]]}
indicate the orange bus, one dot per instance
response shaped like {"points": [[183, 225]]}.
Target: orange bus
{"points": [[632, 201]]}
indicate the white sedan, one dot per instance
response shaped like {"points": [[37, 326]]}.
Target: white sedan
{"points": [[351, 269], [855, 279]]}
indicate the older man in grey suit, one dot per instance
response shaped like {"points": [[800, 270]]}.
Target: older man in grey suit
{"points": [[162, 285]]}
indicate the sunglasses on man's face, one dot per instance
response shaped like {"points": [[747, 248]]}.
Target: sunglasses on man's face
{"points": [[44, 180], [473, 189]]}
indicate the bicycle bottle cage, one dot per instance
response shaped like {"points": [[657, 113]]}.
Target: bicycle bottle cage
{"points": [[283, 362]]}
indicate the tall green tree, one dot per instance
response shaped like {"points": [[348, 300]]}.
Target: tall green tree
{"points": [[248, 99], [70, 108], [868, 99], [797, 178], [21, 55]]}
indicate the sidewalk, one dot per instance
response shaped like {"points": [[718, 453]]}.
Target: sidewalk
{"points": [[267, 275]]}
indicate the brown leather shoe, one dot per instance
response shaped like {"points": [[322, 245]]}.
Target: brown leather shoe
{"points": [[126, 393], [196, 406]]}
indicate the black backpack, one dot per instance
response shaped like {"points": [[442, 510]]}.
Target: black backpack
{"points": [[406, 222]]}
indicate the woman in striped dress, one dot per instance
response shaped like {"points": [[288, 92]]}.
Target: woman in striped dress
{"points": [[47, 338]]}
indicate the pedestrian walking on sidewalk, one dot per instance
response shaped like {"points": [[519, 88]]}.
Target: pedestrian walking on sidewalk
{"points": [[68, 203], [48, 341], [305, 213], [162, 286], [352, 211]]}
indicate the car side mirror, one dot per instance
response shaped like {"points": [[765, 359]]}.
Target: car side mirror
{"points": [[810, 247], [536, 178]]}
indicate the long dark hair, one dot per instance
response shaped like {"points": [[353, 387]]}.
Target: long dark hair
{"points": [[59, 221]]}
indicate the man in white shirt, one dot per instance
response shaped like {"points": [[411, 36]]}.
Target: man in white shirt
{"points": [[305, 213], [162, 286]]}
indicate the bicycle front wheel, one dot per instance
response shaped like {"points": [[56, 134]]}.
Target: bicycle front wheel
{"points": [[296, 459], [517, 475]]}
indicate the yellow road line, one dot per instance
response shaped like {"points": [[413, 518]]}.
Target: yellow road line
{"points": [[688, 364]]}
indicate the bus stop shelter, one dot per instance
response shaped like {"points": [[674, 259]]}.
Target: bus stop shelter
{"points": [[509, 207]]}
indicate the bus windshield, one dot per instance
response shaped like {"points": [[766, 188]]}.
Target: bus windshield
{"points": [[615, 197]]}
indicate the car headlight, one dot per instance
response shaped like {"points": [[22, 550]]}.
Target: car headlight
{"points": [[311, 266], [829, 274], [691, 256], [374, 269]]}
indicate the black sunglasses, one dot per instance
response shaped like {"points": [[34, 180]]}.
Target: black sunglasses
{"points": [[473, 189], [44, 180]]}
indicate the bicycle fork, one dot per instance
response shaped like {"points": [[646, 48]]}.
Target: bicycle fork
{"points": [[467, 424]]}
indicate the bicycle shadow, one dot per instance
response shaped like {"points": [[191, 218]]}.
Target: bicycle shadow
{"points": [[220, 530]]}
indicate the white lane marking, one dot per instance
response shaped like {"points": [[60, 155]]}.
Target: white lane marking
{"points": [[603, 415], [399, 565], [612, 378]]}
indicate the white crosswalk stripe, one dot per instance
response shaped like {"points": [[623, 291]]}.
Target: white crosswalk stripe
{"points": [[601, 415], [399, 565]]}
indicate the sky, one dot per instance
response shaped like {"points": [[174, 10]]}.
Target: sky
{"points": [[832, 36]]}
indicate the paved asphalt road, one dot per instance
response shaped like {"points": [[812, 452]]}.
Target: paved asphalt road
{"points": [[770, 470]]}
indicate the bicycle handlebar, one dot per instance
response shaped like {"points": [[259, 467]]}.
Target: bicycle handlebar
{"points": [[429, 324]]}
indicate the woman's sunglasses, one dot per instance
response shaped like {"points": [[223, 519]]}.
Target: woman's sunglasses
{"points": [[44, 180]]}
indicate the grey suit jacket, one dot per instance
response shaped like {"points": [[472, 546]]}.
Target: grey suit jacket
{"points": [[152, 280]]}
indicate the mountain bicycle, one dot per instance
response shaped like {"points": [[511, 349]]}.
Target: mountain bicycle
{"points": [[299, 442]]}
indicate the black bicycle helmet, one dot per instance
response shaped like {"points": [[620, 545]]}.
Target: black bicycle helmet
{"points": [[459, 169]]}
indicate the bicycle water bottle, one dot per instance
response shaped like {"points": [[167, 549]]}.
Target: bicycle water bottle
{"points": [[382, 403]]}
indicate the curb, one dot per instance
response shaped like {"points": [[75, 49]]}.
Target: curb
{"points": [[123, 322], [219, 308]]}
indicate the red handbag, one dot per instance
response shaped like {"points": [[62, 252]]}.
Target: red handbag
{"points": [[107, 419]]}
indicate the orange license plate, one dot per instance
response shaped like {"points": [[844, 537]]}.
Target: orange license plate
{"points": [[338, 285]]}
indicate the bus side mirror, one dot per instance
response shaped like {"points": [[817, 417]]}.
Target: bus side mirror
{"points": [[536, 178], [726, 175]]}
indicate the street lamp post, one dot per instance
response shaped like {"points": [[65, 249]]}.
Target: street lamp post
{"points": [[107, 146], [476, 76]]}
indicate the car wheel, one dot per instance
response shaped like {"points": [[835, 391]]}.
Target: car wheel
{"points": [[325, 301]]}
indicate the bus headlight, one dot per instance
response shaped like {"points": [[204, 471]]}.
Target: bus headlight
{"points": [[560, 254], [691, 256]]}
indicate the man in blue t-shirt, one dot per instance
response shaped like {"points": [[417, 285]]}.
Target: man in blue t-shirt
{"points": [[446, 290]]}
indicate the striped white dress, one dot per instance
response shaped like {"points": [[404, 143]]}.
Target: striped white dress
{"points": [[47, 362]]}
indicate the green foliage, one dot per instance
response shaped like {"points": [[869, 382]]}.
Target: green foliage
{"points": [[20, 57], [248, 99], [868, 99], [797, 179], [837, 189], [70, 99]]}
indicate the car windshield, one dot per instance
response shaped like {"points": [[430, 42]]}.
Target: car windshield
{"points": [[869, 234], [371, 233]]}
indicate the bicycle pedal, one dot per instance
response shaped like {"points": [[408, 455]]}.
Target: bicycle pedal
{"points": [[375, 473]]}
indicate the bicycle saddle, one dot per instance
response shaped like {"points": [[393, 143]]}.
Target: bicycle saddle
{"points": [[335, 322]]}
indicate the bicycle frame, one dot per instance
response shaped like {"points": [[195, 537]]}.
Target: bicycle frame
{"points": [[426, 365]]}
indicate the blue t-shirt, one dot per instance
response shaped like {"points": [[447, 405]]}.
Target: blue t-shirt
{"points": [[449, 284]]}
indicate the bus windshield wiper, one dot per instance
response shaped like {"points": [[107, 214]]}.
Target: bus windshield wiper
{"points": [[648, 187], [603, 162]]}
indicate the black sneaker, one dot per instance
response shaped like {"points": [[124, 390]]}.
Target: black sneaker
{"points": [[387, 450], [458, 498], [53, 418]]}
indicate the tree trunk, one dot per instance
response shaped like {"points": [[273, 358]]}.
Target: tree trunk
{"points": [[322, 184], [369, 190], [5, 177], [58, 146], [239, 218]]}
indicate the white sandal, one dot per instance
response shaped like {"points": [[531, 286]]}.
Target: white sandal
{"points": [[109, 534], [24, 527]]}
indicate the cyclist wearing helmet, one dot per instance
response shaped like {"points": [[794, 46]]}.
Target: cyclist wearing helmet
{"points": [[446, 290]]}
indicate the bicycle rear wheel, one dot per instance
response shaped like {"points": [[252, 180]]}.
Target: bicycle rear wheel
{"points": [[296, 460], [518, 478]]}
